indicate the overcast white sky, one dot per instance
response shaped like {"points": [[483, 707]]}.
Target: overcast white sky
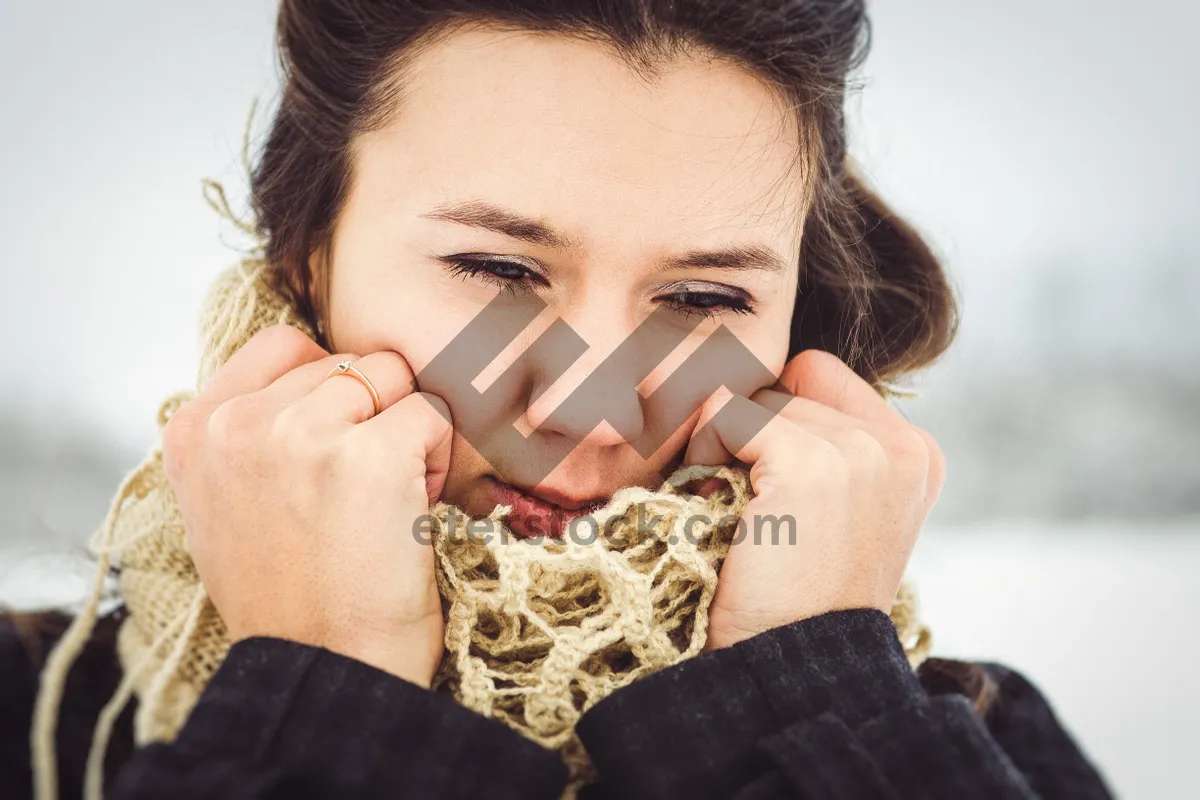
{"points": [[1025, 137]]}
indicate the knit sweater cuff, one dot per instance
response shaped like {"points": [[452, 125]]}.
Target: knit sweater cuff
{"points": [[278, 702], [849, 664]]}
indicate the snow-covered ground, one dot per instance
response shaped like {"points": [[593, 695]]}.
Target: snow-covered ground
{"points": [[1101, 616]]}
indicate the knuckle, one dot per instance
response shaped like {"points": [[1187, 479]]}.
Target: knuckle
{"points": [[176, 443], [717, 399], [295, 436], [819, 363], [912, 452], [819, 358], [937, 459], [911, 442], [419, 416], [175, 432], [338, 357], [435, 413], [770, 486], [397, 362], [290, 425], [284, 338], [862, 447], [229, 424], [828, 462], [358, 449]]}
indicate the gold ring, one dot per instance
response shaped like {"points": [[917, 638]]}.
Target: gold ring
{"points": [[348, 368]]}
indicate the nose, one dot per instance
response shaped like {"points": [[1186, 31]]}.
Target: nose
{"points": [[594, 400]]}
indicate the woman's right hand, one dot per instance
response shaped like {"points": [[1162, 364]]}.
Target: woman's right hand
{"points": [[300, 505]]}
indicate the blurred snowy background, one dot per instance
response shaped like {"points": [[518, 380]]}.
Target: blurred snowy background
{"points": [[1048, 147]]}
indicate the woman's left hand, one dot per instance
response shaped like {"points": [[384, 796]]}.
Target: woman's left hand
{"points": [[842, 484]]}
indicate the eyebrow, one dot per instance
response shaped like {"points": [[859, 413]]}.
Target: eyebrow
{"points": [[747, 257], [481, 214]]}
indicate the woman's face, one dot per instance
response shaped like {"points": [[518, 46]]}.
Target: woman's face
{"points": [[542, 174]]}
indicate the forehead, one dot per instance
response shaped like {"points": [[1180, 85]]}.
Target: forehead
{"points": [[563, 129]]}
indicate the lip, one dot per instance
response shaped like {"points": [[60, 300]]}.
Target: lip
{"points": [[543, 511]]}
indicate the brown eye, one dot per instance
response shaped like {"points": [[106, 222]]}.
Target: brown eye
{"points": [[503, 269], [707, 304], [508, 275]]}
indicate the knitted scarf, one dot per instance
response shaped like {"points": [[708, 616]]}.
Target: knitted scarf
{"points": [[535, 633]]}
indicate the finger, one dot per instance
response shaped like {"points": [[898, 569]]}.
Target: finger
{"points": [[937, 469], [803, 409], [707, 447], [840, 428], [741, 428], [301, 381], [269, 354], [704, 446], [344, 396], [826, 379], [428, 417]]}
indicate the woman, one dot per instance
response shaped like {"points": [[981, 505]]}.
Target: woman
{"points": [[603, 164]]}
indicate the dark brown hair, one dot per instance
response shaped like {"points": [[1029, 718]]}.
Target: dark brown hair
{"points": [[872, 292]]}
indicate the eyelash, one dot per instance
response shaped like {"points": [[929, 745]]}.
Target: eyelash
{"points": [[481, 269]]}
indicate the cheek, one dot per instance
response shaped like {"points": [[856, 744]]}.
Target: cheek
{"points": [[376, 305], [419, 323], [740, 357]]}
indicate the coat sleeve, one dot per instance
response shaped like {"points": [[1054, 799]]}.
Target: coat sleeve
{"points": [[827, 707], [285, 720]]}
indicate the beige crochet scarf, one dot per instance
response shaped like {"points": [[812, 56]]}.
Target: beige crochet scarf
{"points": [[535, 634]]}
